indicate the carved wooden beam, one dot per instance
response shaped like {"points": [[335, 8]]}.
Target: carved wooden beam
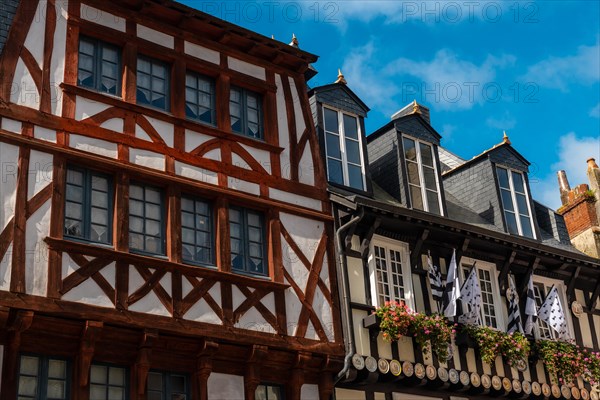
{"points": [[502, 278], [592, 301], [252, 377], [366, 240], [329, 367], [144, 359], [297, 376], [18, 322], [87, 345], [416, 253], [204, 366], [533, 264], [571, 286]]}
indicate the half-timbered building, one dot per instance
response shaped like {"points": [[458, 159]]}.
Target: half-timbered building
{"points": [[397, 198], [165, 230]]}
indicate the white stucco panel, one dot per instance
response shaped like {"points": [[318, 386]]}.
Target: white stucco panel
{"points": [[11, 125], [109, 273], [102, 17], [57, 63], [292, 309], [147, 158], [40, 172], [214, 154], [155, 36], [238, 161], [36, 251], [254, 321], [305, 232], [140, 133], [323, 311], [300, 124], [89, 293], [246, 68], [237, 296], [165, 130], [243, 186], [196, 173], [92, 145], [306, 172], [284, 133], [202, 52], [85, 108], [5, 269], [24, 91], [324, 275], [225, 387], [310, 392], [9, 157], [194, 139], [49, 135], [263, 157], [201, 312], [149, 304], [114, 124], [296, 199], [34, 42]]}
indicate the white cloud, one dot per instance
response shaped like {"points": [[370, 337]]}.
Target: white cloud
{"points": [[504, 122], [560, 72], [573, 152], [448, 132], [595, 112]]}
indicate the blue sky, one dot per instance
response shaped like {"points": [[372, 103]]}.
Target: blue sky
{"points": [[530, 68]]}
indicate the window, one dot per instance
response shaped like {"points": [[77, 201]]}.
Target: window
{"points": [[541, 288], [390, 272], [422, 176], [542, 328], [153, 83], [245, 109], [166, 386], [99, 66], [42, 378], [108, 382], [247, 241], [197, 231], [199, 98], [515, 202], [490, 300], [343, 148], [146, 226], [88, 206], [268, 392]]}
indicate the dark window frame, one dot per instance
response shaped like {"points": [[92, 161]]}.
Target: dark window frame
{"points": [[86, 205], [99, 46], [267, 385], [42, 377], [166, 384], [244, 112], [213, 103], [167, 79], [162, 220], [210, 232], [245, 243], [512, 190], [107, 385]]}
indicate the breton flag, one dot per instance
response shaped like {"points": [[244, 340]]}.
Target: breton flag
{"points": [[552, 313], [452, 289], [435, 281], [471, 295], [530, 308], [514, 314]]}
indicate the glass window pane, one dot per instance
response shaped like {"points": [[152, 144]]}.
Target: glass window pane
{"points": [[426, 154], [29, 365], [333, 146], [526, 226], [511, 222], [331, 120], [98, 392], [353, 152], [429, 178], [98, 374], [155, 381], [334, 170], [178, 384], [518, 182], [350, 127], [433, 202], [416, 197], [502, 178], [116, 393], [355, 177], [413, 173], [507, 200], [522, 204], [28, 385], [57, 389], [74, 177], [410, 151], [57, 369]]}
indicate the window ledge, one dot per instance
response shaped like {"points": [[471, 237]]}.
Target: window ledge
{"points": [[152, 262]]}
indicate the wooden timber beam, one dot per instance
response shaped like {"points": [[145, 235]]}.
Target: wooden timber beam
{"points": [[144, 359], [366, 239], [204, 367], [533, 265], [591, 304], [87, 345], [297, 376], [571, 286], [252, 378], [18, 322], [416, 253], [502, 278]]}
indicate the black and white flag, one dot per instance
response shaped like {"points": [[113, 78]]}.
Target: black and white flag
{"points": [[552, 313], [530, 308], [514, 314], [435, 281], [471, 296], [451, 290]]}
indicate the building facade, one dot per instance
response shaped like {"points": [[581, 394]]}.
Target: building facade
{"points": [[165, 230], [398, 198]]}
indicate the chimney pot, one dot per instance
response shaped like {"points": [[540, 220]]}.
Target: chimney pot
{"points": [[564, 187], [591, 162]]}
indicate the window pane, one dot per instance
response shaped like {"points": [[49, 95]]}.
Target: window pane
{"points": [[426, 156], [334, 169], [29, 365], [350, 127], [526, 226], [333, 146], [503, 178], [522, 204], [355, 177], [518, 182], [511, 222], [507, 200], [353, 151], [416, 197], [57, 369], [98, 374], [429, 178], [27, 386], [331, 120], [410, 152], [56, 389], [433, 202], [413, 173]]}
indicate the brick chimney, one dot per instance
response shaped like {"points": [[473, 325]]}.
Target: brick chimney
{"points": [[581, 210]]}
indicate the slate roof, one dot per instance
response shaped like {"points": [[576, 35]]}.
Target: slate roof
{"points": [[8, 8]]}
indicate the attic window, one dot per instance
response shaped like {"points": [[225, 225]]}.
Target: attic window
{"points": [[515, 202], [344, 149], [422, 176]]}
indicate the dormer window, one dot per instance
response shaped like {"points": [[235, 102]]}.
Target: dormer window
{"points": [[344, 149], [515, 202], [423, 182]]}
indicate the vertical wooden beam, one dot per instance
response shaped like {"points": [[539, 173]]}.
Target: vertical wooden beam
{"points": [[18, 322], [174, 244], [222, 97], [17, 280], [130, 65], [415, 254], [203, 369], [121, 285], [71, 62], [46, 93], [291, 117], [294, 388], [144, 361], [57, 220], [87, 346], [326, 378], [223, 252], [252, 376], [271, 125], [178, 81], [121, 213], [571, 286], [502, 278]]}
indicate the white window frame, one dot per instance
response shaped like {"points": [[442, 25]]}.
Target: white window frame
{"points": [[562, 296], [403, 249], [421, 174], [513, 196], [342, 139], [467, 262]]}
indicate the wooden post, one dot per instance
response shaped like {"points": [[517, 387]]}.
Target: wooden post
{"points": [[18, 322], [204, 368], [144, 362], [252, 377], [87, 346]]}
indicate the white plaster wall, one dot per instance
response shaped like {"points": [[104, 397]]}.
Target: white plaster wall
{"points": [[147, 158], [239, 161], [254, 321], [114, 124], [5, 271], [300, 125], [101, 17], [296, 199], [214, 154], [202, 52], [36, 251], [406, 348], [46, 134], [150, 303], [246, 68], [361, 335], [194, 139], [155, 36], [34, 42], [263, 157], [11, 125], [292, 308], [584, 324], [164, 129], [323, 312], [306, 172], [24, 92], [346, 394], [140, 133], [40, 172], [357, 280], [225, 387], [384, 348], [88, 292], [9, 157], [324, 275], [92, 145], [196, 173], [85, 108], [57, 63], [201, 311], [284, 133], [305, 232], [310, 392], [243, 186]]}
